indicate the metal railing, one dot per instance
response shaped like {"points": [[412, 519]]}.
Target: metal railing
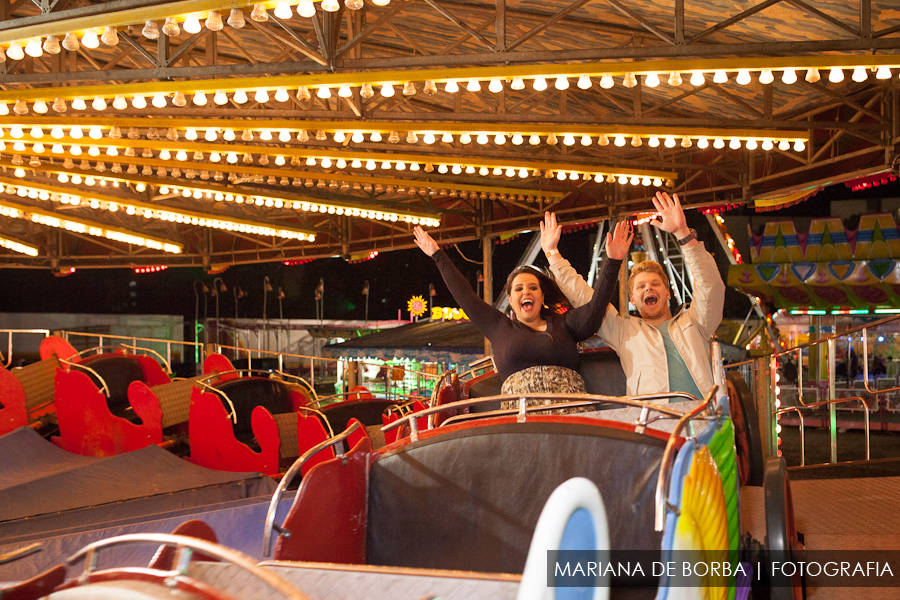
{"points": [[102, 337], [7, 361]]}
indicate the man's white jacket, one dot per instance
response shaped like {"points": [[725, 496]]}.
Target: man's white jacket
{"points": [[640, 346]]}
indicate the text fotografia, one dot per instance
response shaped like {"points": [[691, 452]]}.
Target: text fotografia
{"points": [[576, 568]]}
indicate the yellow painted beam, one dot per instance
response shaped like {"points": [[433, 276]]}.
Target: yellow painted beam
{"points": [[436, 127], [348, 155], [279, 173], [138, 205], [133, 16], [462, 74], [84, 222]]}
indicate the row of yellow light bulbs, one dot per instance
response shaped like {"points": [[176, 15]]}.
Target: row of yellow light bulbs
{"points": [[170, 215], [16, 246], [430, 137], [356, 163], [197, 194], [35, 47], [92, 230], [539, 83]]}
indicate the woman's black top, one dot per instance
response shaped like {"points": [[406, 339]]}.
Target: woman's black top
{"points": [[517, 346]]}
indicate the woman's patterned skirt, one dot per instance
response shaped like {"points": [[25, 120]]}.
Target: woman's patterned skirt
{"points": [[549, 379]]}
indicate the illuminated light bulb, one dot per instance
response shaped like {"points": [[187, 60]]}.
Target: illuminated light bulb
{"points": [[646, 181], [517, 139], [33, 48], [451, 87], [686, 142], [651, 80], [283, 9], [231, 158], [586, 140], [670, 141], [561, 176], [112, 151], [331, 5], [496, 85], [784, 145], [57, 132], [284, 136], [551, 139], [199, 99], [190, 134], [326, 163], [635, 180], [743, 77], [262, 96], [465, 138], [40, 107], [119, 102], [164, 154], [356, 164], [375, 136], [99, 103], [767, 144], [674, 79], [324, 92], [703, 143], [387, 90], [70, 42], [240, 96], [630, 80], [788, 76], [653, 142], [259, 13], [15, 51], [386, 164], [381, 2], [482, 138], [510, 172], [63, 178], [620, 140], [812, 75], [562, 83], [752, 144], [720, 76], [429, 138], [697, 78], [137, 102], [16, 131], [370, 165], [95, 133], [20, 172], [215, 157], [447, 138], [499, 139], [159, 100], [306, 9], [836, 75], [339, 136], [882, 73], [94, 151], [539, 84], [603, 140], [483, 171], [474, 85], [51, 45], [517, 84], [19, 147], [718, 143], [584, 82], [470, 169], [228, 135], [734, 144], [59, 105], [799, 146], [90, 39], [859, 73], [636, 141], [766, 77], [607, 81]]}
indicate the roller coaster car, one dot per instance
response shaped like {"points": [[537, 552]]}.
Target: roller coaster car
{"points": [[466, 495]]}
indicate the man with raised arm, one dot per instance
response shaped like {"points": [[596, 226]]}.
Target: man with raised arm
{"points": [[659, 352]]}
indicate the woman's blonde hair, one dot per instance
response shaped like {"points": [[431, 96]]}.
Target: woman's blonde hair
{"points": [[648, 266]]}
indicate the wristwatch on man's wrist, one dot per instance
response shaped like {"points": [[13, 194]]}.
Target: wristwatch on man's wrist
{"points": [[688, 238]]}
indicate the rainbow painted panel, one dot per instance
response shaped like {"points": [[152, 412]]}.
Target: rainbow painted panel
{"points": [[703, 522], [723, 451]]}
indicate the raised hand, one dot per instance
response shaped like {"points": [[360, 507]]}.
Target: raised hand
{"points": [[550, 231], [669, 209], [424, 241], [619, 242]]}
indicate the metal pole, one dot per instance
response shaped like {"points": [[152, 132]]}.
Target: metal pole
{"points": [[832, 412], [488, 264], [266, 286]]}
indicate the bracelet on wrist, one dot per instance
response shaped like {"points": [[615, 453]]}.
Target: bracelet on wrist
{"points": [[550, 253]]}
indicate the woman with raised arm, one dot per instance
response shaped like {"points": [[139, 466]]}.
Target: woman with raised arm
{"points": [[535, 351]]}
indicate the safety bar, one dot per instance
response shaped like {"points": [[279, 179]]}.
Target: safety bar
{"points": [[665, 468], [103, 387], [289, 477], [159, 356], [781, 411], [9, 334], [134, 340], [865, 339], [19, 553], [185, 547], [575, 400]]}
